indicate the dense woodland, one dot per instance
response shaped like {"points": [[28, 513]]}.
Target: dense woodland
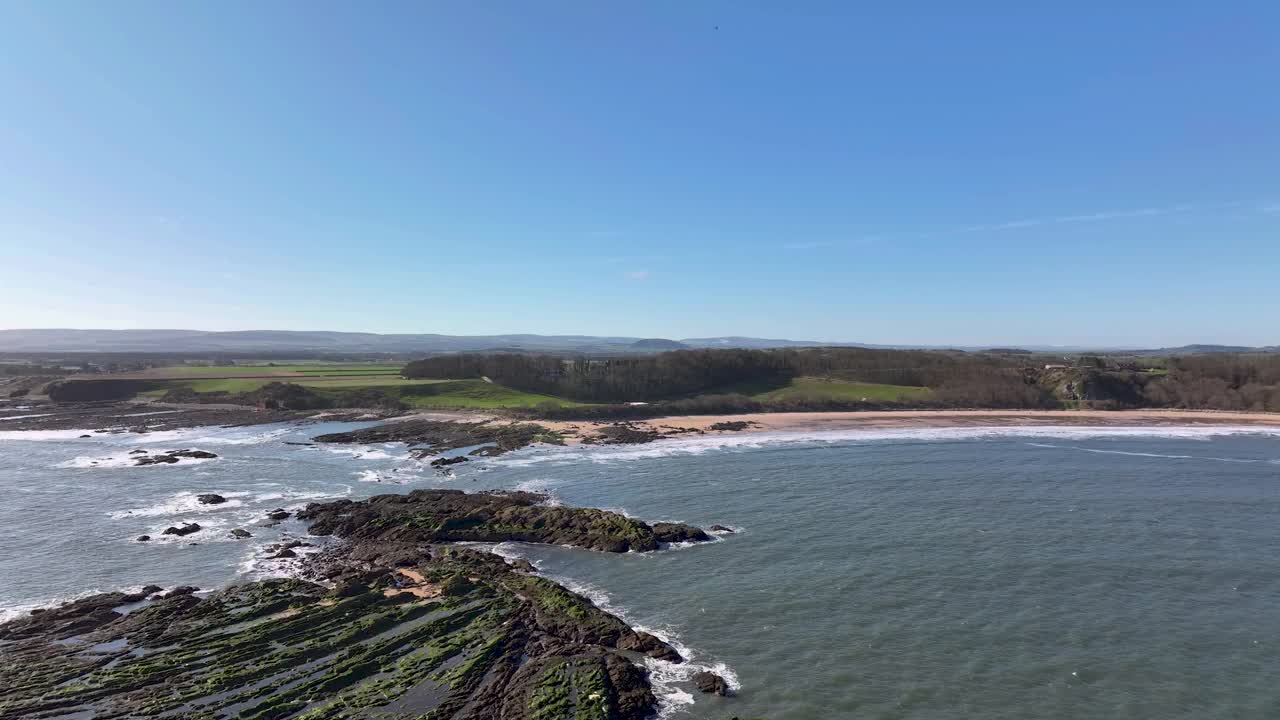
{"points": [[959, 378], [713, 380]]}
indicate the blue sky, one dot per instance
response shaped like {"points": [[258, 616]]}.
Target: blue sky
{"points": [[931, 173]]}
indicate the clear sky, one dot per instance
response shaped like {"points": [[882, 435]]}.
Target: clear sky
{"points": [[949, 173]]}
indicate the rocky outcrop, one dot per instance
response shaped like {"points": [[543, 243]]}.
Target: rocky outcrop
{"points": [[733, 425], [622, 434], [678, 532], [448, 633], [170, 457], [440, 463], [210, 499], [452, 515], [440, 436], [72, 619], [389, 624], [710, 683], [185, 529]]}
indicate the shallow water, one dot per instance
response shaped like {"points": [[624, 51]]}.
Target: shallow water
{"points": [[995, 573]]}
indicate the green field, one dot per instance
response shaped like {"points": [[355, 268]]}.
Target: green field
{"points": [[184, 371], [426, 394], [475, 394], [813, 388]]}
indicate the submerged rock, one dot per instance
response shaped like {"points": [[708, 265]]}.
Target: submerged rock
{"points": [[143, 538], [278, 514], [155, 460], [186, 529], [210, 499], [240, 533], [721, 529], [445, 462], [195, 454], [170, 457]]}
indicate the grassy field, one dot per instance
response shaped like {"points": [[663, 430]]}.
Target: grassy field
{"points": [[812, 388], [234, 371], [425, 394], [474, 394], [336, 379]]}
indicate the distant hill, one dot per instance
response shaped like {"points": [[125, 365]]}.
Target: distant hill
{"points": [[658, 344], [276, 341], [322, 341]]}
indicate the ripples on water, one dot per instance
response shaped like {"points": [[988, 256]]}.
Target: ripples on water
{"points": [[969, 572]]}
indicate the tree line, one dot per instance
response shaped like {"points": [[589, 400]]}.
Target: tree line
{"points": [[980, 380]]}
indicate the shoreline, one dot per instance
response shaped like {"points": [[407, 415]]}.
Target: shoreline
{"points": [[681, 425]]}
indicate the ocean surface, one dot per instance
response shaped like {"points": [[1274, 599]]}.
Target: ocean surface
{"points": [[954, 573]]}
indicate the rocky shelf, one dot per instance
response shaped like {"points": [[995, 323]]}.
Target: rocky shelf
{"points": [[453, 516], [391, 624]]}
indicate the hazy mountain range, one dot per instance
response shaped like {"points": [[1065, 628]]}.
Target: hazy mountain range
{"points": [[274, 341]]}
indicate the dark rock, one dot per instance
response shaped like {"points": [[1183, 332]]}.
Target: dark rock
{"points": [[732, 425], [285, 553], [622, 434], [711, 683], [71, 619], [679, 532], [155, 460], [135, 452], [195, 454], [240, 534], [278, 514], [654, 647], [210, 499], [452, 515], [443, 436], [446, 461], [143, 538], [186, 529], [85, 436], [721, 529]]}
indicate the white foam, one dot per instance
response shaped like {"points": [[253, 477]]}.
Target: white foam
{"points": [[45, 435], [253, 435], [122, 460], [367, 452], [674, 447], [181, 504], [542, 486], [212, 529], [393, 477], [1101, 451], [13, 612]]}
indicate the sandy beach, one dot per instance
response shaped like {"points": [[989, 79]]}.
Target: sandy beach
{"points": [[816, 421]]}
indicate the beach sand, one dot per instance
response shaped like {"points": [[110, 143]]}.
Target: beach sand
{"points": [[813, 421]]}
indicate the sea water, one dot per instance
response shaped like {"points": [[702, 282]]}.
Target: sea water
{"points": [[969, 572]]}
